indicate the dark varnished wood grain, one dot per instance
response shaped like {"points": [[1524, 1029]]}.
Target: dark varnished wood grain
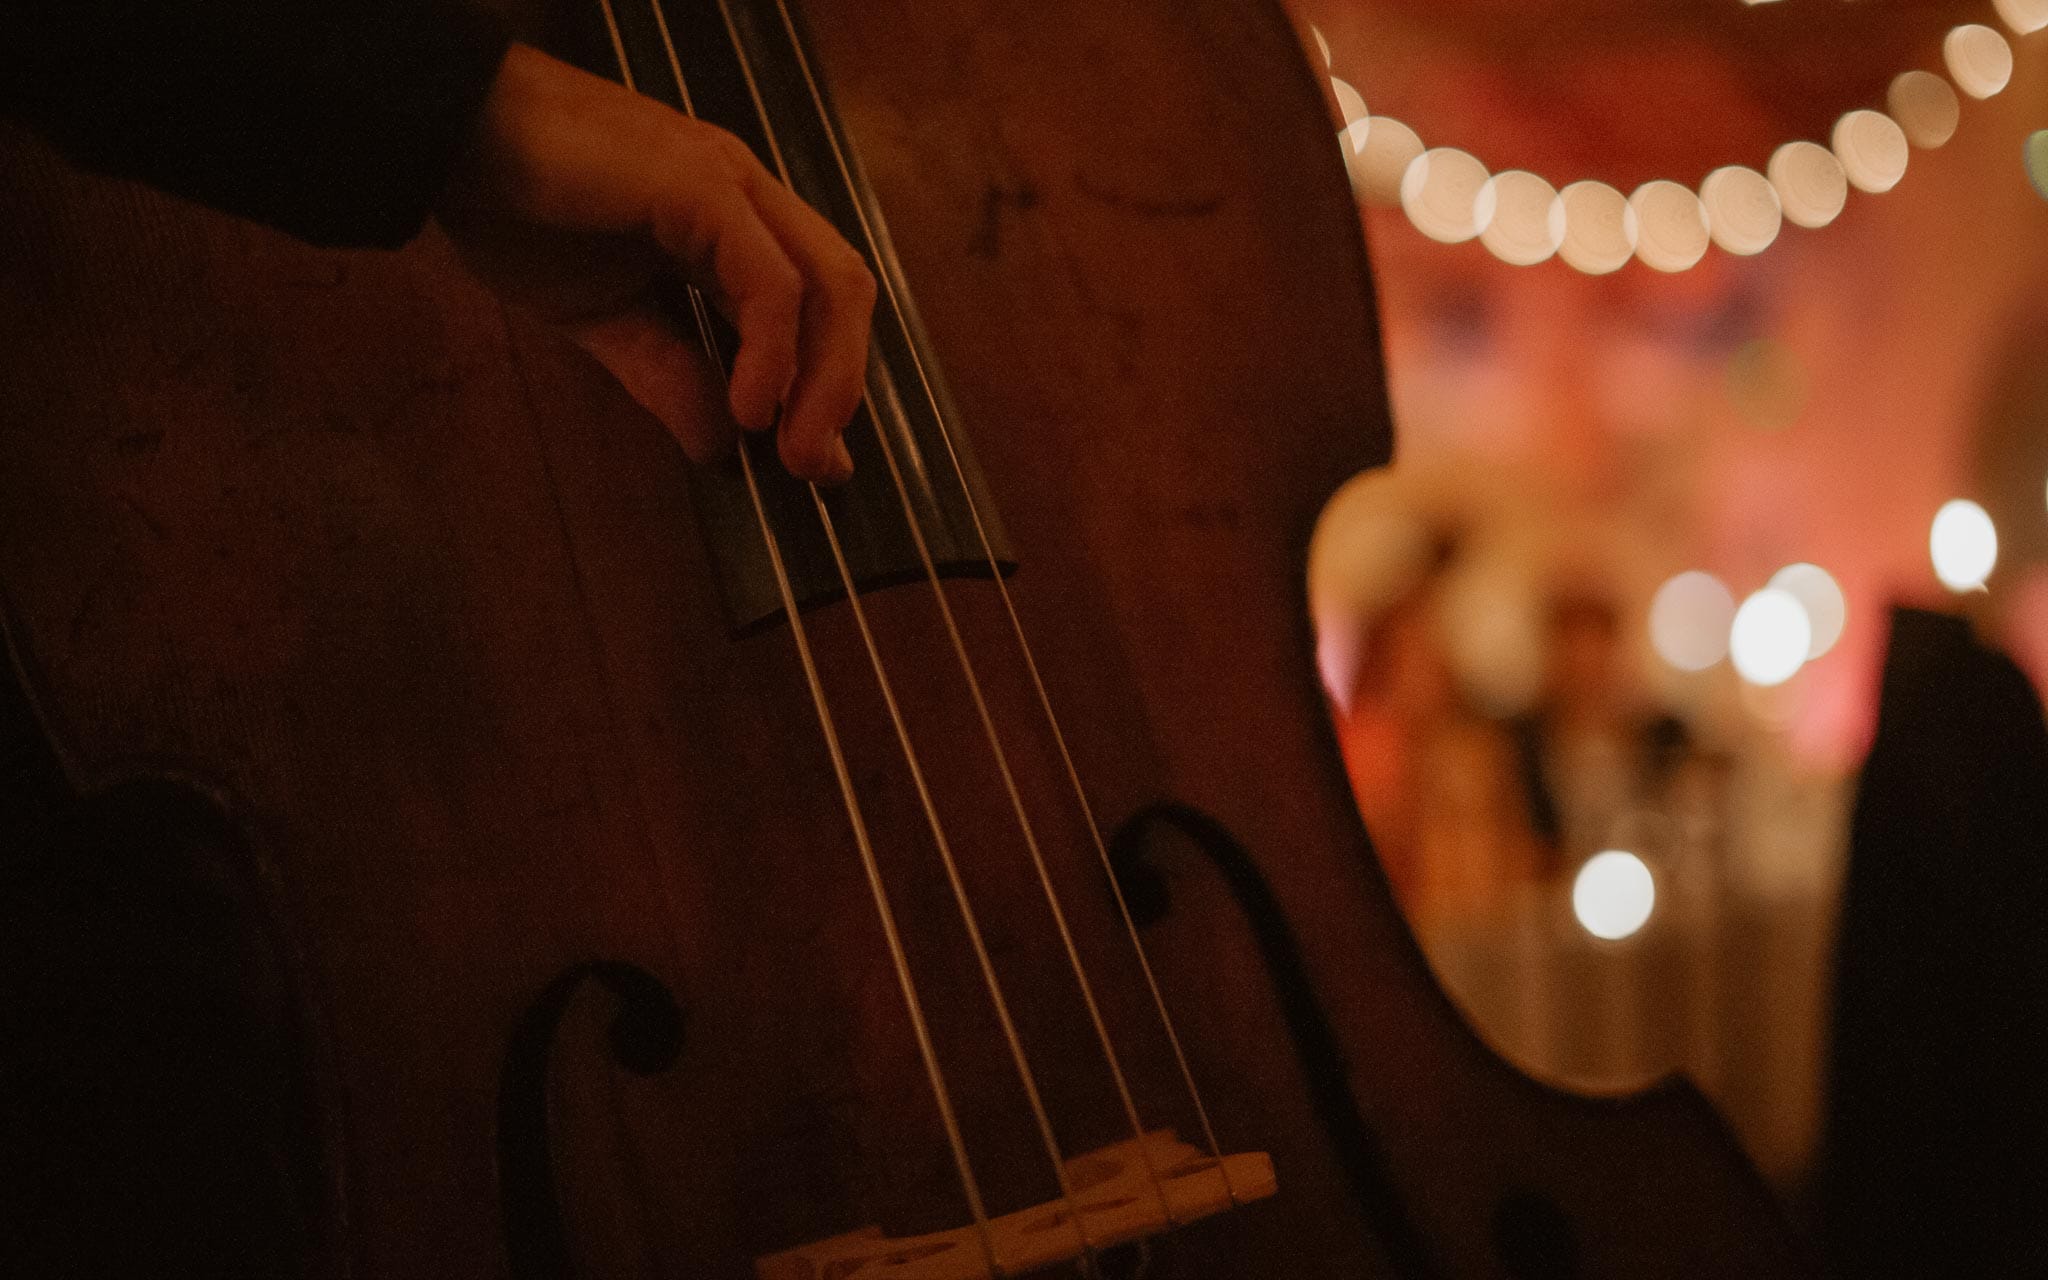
{"points": [[416, 592]]}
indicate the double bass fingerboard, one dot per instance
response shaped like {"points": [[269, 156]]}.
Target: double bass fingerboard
{"points": [[906, 399]]}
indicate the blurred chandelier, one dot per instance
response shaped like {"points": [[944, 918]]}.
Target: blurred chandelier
{"points": [[1451, 196]]}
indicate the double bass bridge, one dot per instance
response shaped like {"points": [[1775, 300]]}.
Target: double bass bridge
{"points": [[1125, 1192]]}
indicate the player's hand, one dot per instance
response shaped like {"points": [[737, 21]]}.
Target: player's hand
{"points": [[578, 198]]}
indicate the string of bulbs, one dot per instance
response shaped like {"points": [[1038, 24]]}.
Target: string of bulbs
{"points": [[1451, 196]]}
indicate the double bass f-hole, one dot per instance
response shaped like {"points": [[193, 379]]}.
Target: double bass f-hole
{"points": [[645, 1036]]}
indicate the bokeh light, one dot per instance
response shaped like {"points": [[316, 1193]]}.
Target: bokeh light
{"points": [[1925, 107], [1377, 164], [1978, 58], [2036, 159], [1350, 102], [2024, 16], [1743, 214], [1689, 620], [1671, 225], [1527, 223], [1963, 544], [1771, 637], [1599, 228], [1827, 609], [1441, 193], [1872, 149], [1810, 183], [1613, 895]]}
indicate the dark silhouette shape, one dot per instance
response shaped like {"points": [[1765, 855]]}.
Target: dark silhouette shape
{"points": [[1935, 1156]]}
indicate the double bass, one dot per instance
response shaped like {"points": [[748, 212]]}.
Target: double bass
{"points": [[548, 859]]}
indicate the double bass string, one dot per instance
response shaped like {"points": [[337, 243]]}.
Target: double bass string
{"points": [[969, 918], [1052, 900], [1014, 1041], [888, 270], [994, 738], [899, 958]]}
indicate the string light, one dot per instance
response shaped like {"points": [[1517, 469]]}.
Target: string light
{"points": [[1872, 149], [1442, 193], [1743, 210], [1925, 107], [1528, 222], [2024, 16], [1810, 183], [1689, 620], [1963, 544], [1978, 58], [1351, 103], [1379, 160], [1599, 228], [1827, 610], [1671, 226], [1613, 895], [1771, 637], [1451, 195]]}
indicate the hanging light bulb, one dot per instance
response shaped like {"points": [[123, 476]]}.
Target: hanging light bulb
{"points": [[1378, 162], [1872, 149], [1743, 213], [2024, 16], [1979, 60], [1442, 194], [1600, 230], [1810, 183], [1671, 225], [1527, 225], [1925, 107]]}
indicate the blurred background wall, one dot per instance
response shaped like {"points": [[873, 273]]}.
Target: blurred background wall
{"points": [[1770, 304]]}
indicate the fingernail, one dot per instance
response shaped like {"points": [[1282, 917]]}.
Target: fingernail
{"points": [[842, 462]]}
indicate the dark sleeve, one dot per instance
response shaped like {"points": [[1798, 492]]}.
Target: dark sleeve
{"points": [[334, 120]]}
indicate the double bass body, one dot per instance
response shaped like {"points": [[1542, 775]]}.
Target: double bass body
{"points": [[420, 601]]}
